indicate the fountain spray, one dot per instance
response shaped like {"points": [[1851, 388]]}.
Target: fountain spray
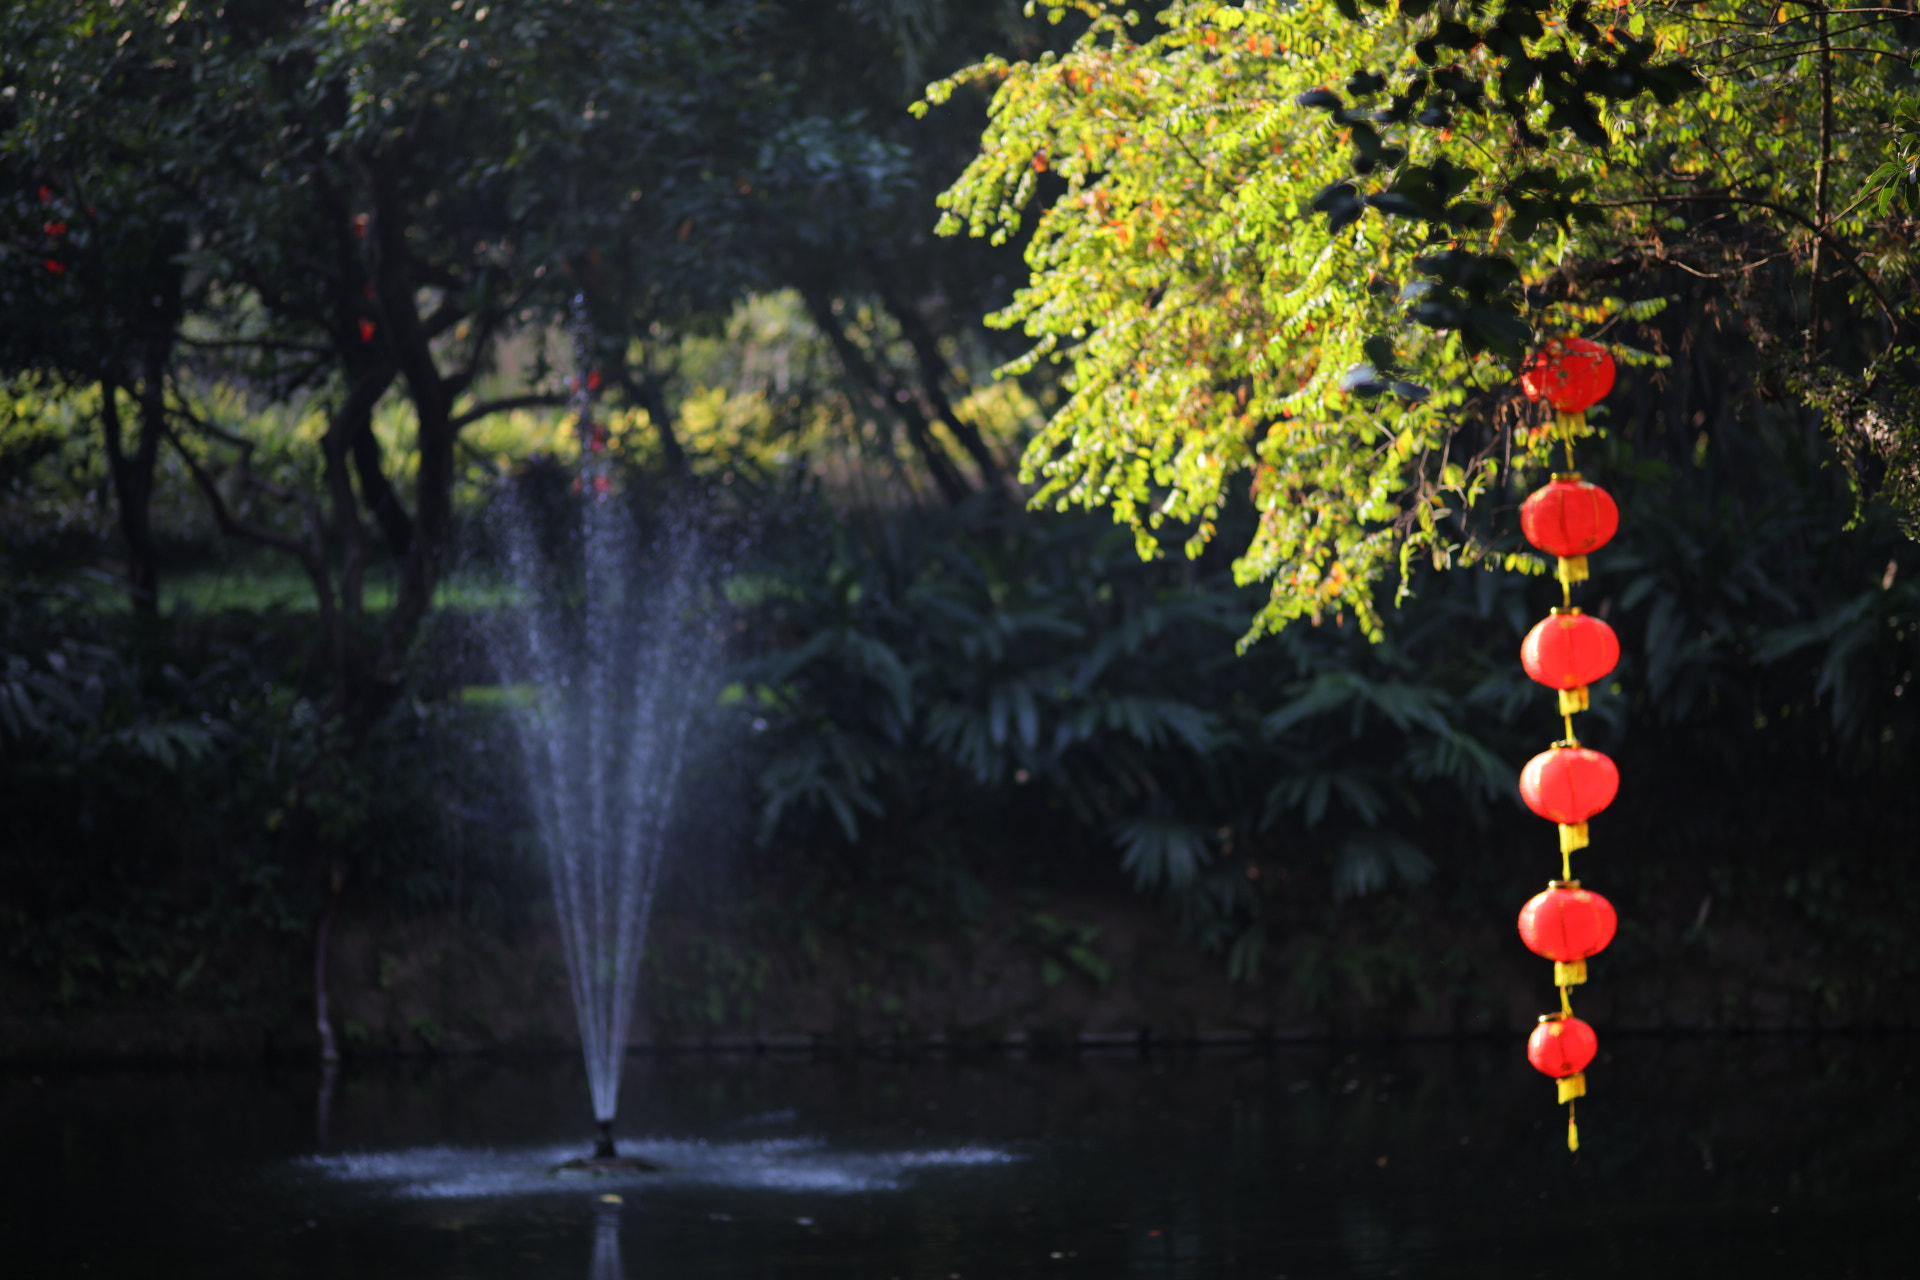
{"points": [[617, 659]]}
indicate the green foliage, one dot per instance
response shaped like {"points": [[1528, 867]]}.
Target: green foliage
{"points": [[171, 803], [1018, 683], [1301, 247], [1216, 324]]}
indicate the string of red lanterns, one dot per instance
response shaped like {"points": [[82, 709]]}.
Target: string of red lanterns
{"points": [[1567, 784]]}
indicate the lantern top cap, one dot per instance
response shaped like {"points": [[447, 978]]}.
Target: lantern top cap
{"points": [[1569, 611], [1564, 477], [1563, 884], [1554, 1017], [1566, 744]]}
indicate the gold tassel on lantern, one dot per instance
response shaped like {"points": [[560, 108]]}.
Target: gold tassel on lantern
{"points": [[1573, 835], [1572, 700], [1569, 973], [1571, 569], [1573, 1130]]}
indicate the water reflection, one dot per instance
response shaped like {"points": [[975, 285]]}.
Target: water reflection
{"points": [[606, 1241]]}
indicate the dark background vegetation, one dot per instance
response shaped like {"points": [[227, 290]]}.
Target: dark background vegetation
{"points": [[977, 771]]}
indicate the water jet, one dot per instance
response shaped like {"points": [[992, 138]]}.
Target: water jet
{"points": [[610, 642]]}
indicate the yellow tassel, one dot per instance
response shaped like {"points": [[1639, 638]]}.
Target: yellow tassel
{"points": [[1569, 975], [1571, 1087], [1572, 569], [1572, 700], [1573, 835], [1571, 425], [1573, 1131]]}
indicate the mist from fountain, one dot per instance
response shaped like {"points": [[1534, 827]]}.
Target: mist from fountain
{"points": [[614, 660], [610, 646]]}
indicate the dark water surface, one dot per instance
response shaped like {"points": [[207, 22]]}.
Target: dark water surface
{"points": [[1751, 1158]]}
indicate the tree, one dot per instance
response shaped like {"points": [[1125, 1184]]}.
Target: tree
{"points": [[1307, 245], [1791, 183], [375, 195], [93, 284], [836, 202]]}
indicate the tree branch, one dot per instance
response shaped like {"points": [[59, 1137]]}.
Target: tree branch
{"points": [[1794, 215], [223, 514], [888, 398], [507, 404]]}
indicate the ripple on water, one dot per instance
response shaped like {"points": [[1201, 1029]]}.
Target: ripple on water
{"points": [[773, 1164]]}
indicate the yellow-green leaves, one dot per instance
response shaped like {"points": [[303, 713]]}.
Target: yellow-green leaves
{"points": [[1285, 249]]}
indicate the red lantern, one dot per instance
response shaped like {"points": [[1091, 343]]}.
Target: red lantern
{"points": [[1566, 924], [1568, 652], [1562, 1046], [1572, 375], [1568, 785], [1569, 517]]}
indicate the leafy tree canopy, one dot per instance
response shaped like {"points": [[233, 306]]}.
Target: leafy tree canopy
{"points": [[1310, 244]]}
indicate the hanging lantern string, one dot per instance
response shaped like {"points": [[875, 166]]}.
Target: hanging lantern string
{"points": [[1567, 784], [1566, 423], [1567, 426], [1566, 1011], [1573, 1131]]}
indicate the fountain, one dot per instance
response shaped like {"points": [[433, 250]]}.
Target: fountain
{"points": [[616, 660]]}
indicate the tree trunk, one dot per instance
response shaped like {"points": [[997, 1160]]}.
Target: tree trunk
{"points": [[648, 394], [354, 418], [933, 373], [406, 340], [888, 398], [396, 526], [132, 478]]}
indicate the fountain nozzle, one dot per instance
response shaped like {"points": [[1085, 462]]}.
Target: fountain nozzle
{"points": [[606, 1158]]}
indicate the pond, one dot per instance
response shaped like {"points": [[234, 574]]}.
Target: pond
{"points": [[1754, 1157]]}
